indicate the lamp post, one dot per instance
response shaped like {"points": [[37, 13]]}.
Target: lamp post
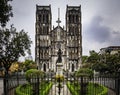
{"points": [[59, 86]]}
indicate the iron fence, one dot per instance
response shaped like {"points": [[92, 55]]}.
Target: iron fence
{"points": [[62, 85]]}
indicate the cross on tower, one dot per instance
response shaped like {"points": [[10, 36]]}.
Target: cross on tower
{"points": [[58, 21]]}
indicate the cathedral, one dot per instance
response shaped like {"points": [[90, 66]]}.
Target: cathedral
{"points": [[58, 47]]}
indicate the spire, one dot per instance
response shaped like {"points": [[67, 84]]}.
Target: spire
{"points": [[58, 21]]}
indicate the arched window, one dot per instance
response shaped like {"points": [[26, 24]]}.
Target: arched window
{"points": [[73, 18], [44, 67], [72, 67], [69, 65], [40, 17], [69, 18], [47, 18], [77, 19], [43, 18], [47, 30]]}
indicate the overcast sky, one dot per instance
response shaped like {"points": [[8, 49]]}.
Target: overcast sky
{"points": [[100, 20]]}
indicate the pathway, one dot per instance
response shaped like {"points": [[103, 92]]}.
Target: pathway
{"points": [[64, 90], [111, 92], [1, 86]]}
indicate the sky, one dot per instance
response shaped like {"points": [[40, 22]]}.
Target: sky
{"points": [[100, 20]]}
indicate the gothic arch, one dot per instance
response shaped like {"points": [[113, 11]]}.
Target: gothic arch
{"points": [[44, 67], [73, 67]]}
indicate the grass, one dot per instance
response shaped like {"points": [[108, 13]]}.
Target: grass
{"points": [[27, 89], [91, 89], [94, 89]]}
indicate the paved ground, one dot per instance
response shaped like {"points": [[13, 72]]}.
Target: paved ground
{"points": [[54, 90], [1, 86], [110, 92], [64, 90]]}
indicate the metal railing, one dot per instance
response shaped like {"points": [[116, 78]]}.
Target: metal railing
{"points": [[69, 85]]}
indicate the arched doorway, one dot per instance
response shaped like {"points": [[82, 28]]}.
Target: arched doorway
{"points": [[72, 67], [44, 67]]}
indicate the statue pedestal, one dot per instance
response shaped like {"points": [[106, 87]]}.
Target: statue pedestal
{"points": [[59, 69]]}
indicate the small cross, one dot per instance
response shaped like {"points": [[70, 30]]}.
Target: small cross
{"points": [[58, 21]]}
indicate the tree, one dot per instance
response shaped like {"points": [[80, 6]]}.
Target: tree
{"points": [[113, 62], [29, 64], [33, 73], [84, 72], [94, 57], [13, 45], [100, 67], [5, 12], [84, 59], [14, 67], [107, 62]]}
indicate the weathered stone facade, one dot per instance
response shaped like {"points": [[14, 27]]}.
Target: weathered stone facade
{"points": [[49, 41]]}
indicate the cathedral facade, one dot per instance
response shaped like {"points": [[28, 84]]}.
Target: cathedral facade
{"points": [[58, 45]]}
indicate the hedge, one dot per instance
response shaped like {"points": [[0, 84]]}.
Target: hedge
{"points": [[72, 90], [45, 92], [18, 91], [104, 92]]}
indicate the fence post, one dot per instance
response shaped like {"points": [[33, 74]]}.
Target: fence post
{"points": [[117, 85], [59, 86], [17, 79], [35, 82], [5, 83], [37, 85], [81, 83]]}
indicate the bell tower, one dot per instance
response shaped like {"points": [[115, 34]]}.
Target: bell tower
{"points": [[43, 28], [74, 37]]}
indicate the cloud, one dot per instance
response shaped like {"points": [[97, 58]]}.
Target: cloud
{"points": [[97, 35], [115, 38], [100, 20], [96, 32]]}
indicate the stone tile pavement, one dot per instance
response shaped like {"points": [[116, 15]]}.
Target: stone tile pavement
{"points": [[1, 86], [64, 90]]}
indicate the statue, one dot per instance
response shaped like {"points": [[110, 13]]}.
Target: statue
{"points": [[59, 60]]}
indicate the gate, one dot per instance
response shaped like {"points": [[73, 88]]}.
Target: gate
{"points": [[67, 84]]}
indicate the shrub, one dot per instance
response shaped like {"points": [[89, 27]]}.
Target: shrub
{"points": [[33, 73], [71, 88], [104, 92], [46, 91], [59, 78], [84, 72], [96, 84], [18, 91]]}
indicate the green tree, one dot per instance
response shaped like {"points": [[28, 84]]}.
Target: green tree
{"points": [[5, 12], [29, 64], [94, 57], [33, 73], [113, 62], [84, 59], [13, 45], [84, 72], [109, 63], [100, 67]]}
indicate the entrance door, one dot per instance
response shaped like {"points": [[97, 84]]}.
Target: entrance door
{"points": [[44, 67], [72, 67]]}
